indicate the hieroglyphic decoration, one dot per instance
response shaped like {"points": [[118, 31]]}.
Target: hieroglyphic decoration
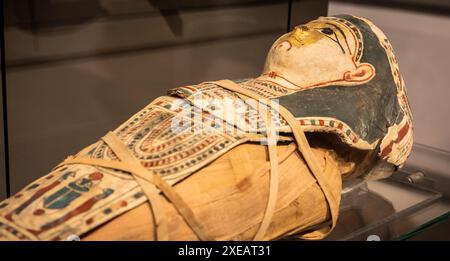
{"points": [[76, 198], [68, 201], [241, 113], [171, 152], [340, 128], [267, 89]]}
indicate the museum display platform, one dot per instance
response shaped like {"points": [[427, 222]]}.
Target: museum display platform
{"points": [[400, 207]]}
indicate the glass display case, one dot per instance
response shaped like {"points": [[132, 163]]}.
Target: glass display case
{"points": [[79, 68], [389, 209], [69, 63]]}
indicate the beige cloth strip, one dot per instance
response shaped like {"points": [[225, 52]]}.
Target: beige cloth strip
{"points": [[154, 199], [305, 150], [273, 182]]}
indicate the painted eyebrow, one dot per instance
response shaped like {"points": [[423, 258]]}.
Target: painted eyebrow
{"points": [[342, 33], [335, 40]]}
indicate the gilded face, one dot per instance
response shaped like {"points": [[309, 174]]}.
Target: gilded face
{"points": [[318, 53]]}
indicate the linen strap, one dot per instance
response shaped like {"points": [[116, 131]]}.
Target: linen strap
{"points": [[149, 188], [146, 179], [273, 181], [304, 149]]}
